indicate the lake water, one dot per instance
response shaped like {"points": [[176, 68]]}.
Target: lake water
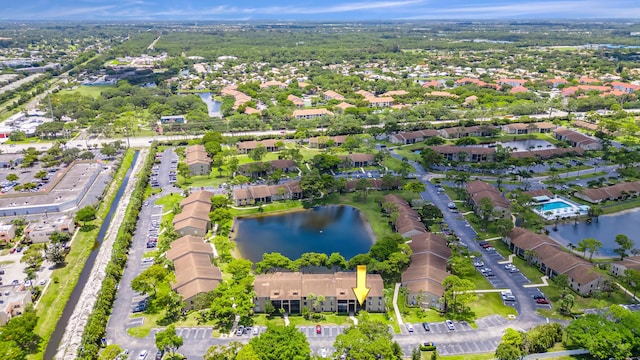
{"points": [[325, 229], [212, 105], [605, 230]]}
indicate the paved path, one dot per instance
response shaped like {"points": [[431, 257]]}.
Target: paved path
{"points": [[627, 291], [556, 354], [396, 290], [544, 283]]}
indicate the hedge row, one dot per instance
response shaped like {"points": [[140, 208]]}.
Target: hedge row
{"points": [[97, 323]]}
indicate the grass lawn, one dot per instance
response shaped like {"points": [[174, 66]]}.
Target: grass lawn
{"points": [[483, 356], [93, 91], [481, 282], [65, 279], [369, 206], [392, 163], [268, 209], [616, 206], [168, 201], [490, 304]]}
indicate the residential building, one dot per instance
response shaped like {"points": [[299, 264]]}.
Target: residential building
{"points": [[442, 94], [547, 153], [195, 274], [290, 190], [614, 192], [465, 153], [39, 231], [479, 190], [412, 137], [528, 128], [296, 291], [299, 103], [379, 101], [14, 300], [343, 106], [553, 261], [311, 113], [273, 83], [194, 218], [577, 139], [7, 232], [361, 160], [511, 82], [427, 270], [332, 95], [320, 142], [462, 131], [619, 267], [258, 169], [246, 146], [408, 222], [625, 87], [197, 159]]}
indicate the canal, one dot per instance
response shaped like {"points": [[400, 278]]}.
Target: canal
{"points": [[56, 337]]}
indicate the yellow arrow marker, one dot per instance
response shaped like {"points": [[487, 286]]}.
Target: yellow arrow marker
{"points": [[361, 290]]}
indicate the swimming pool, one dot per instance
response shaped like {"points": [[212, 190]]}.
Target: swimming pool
{"points": [[555, 205]]}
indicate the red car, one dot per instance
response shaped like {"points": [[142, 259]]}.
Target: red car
{"points": [[12, 250], [542, 301], [318, 329]]}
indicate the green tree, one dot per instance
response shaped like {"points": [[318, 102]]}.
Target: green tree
{"points": [[87, 213], [510, 347], [415, 187], [11, 350], [458, 293], [274, 262], [258, 153], [41, 174], [430, 157], [369, 340], [12, 177], [590, 245], [148, 280], [223, 352], [20, 331], [111, 352], [108, 150], [239, 269], [337, 260], [168, 340], [281, 342], [624, 244], [231, 299]]}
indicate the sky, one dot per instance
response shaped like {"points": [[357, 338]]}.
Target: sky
{"points": [[316, 10]]}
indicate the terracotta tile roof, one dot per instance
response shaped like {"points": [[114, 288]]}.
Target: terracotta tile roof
{"points": [[539, 192], [196, 154], [191, 222], [311, 112], [199, 196], [429, 243], [188, 244], [195, 274], [333, 95], [479, 190], [196, 210], [260, 191]]}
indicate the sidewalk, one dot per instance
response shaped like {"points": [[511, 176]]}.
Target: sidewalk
{"points": [[395, 304]]}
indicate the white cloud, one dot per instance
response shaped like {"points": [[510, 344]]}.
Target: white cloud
{"points": [[290, 10], [551, 9]]}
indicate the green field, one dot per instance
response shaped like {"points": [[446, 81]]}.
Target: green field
{"points": [[93, 91]]}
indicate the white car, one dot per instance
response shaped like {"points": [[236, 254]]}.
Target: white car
{"points": [[323, 352], [450, 325], [42, 282], [142, 355]]}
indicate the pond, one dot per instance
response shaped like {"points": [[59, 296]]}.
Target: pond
{"points": [[325, 229], [525, 145], [212, 105], [604, 229]]}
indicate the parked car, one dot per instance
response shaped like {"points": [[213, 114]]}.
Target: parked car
{"points": [[142, 355], [509, 298], [12, 250], [256, 331], [19, 249], [539, 297], [409, 328], [450, 324], [318, 329], [478, 263], [426, 326], [240, 330], [542, 301]]}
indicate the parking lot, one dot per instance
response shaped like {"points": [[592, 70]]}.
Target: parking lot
{"points": [[327, 331], [436, 328]]}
